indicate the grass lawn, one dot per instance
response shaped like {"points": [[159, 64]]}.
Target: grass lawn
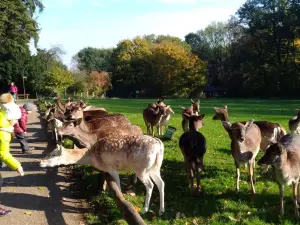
{"points": [[219, 204]]}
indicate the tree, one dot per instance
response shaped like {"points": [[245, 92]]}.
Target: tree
{"points": [[58, 79], [93, 59], [98, 82]]}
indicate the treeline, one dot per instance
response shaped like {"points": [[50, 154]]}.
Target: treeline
{"points": [[255, 53]]}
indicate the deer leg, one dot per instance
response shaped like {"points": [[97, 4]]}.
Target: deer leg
{"points": [[155, 175], [295, 198], [237, 166], [145, 179], [152, 130], [134, 178], [281, 190], [251, 173], [116, 177]]}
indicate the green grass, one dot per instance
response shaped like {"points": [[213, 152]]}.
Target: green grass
{"points": [[219, 204]]}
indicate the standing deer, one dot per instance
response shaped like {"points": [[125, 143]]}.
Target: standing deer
{"points": [[88, 139], [270, 132], [193, 147], [153, 117], [164, 120], [294, 123], [245, 144], [194, 109], [142, 154], [284, 156]]}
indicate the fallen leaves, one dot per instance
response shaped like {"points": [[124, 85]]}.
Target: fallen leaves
{"points": [[28, 213]]}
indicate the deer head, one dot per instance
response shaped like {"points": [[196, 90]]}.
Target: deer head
{"points": [[273, 155], [68, 127], [55, 158], [195, 106], [221, 113], [237, 131], [195, 122]]}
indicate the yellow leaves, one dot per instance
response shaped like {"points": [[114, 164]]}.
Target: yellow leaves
{"points": [[28, 213], [137, 209]]}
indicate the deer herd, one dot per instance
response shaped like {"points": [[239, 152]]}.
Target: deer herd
{"points": [[110, 143]]}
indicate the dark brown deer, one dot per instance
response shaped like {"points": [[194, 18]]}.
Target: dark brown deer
{"points": [[141, 154], [152, 117], [193, 147], [284, 156], [294, 123], [245, 144], [194, 109], [270, 132]]}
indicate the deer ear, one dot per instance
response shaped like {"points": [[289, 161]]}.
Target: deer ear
{"points": [[249, 123], [198, 101], [78, 122], [216, 109], [227, 126], [225, 106], [192, 101], [181, 107], [281, 148]]}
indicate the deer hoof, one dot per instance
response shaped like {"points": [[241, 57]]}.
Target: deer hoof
{"points": [[161, 212], [144, 210]]}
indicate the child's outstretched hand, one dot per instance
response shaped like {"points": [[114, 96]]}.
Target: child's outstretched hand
{"points": [[20, 171]]}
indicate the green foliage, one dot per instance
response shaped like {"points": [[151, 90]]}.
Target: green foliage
{"points": [[219, 204], [58, 79]]}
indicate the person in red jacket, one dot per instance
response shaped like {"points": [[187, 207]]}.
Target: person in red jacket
{"points": [[21, 127]]}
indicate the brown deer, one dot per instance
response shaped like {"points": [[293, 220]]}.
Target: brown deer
{"points": [[284, 156], [270, 132], [61, 105], [89, 138], [77, 112], [194, 109], [152, 117], [193, 147], [164, 120], [294, 123], [141, 154], [245, 144]]}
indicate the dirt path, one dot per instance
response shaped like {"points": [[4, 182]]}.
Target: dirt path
{"points": [[41, 196]]}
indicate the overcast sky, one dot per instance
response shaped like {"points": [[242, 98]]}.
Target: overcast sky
{"points": [[75, 24]]}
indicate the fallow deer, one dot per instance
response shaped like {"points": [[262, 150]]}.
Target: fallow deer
{"points": [[294, 123], [245, 144], [72, 128], [164, 120], [284, 156], [194, 109], [193, 147], [270, 132], [141, 154], [152, 117], [77, 112]]}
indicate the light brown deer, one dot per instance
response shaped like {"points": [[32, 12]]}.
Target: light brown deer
{"points": [[294, 123], [152, 117], [141, 154], [77, 112], [270, 132], [245, 144], [284, 156], [164, 120], [194, 109], [89, 138]]}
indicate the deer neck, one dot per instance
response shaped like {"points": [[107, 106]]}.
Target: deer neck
{"points": [[225, 117], [84, 126], [60, 105], [75, 156], [87, 138]]}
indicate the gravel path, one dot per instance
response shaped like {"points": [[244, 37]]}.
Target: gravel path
{"points": [[41, 196]]}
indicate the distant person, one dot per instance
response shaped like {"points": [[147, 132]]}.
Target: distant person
{"points": [[10, 113], [137, 93], [21, 126], [13, 90]]}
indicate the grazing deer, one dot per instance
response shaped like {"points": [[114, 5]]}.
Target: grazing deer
{"points": [[142, 154], [245, 144], [88, 139], [194, 109], [294, 123], [193, 147], [284, 156], [270, 132], [153, 117]]}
